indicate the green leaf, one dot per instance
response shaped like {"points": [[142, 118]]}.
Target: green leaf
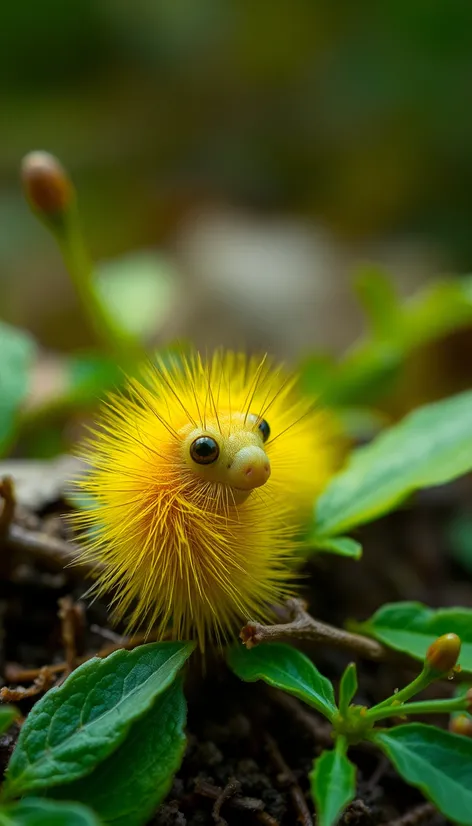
{"points": [[436, 762], [460, 691], [140, 289], [333, 783], [89, 376], [340, 545], [284, 667], [379, 299], [38, 812], [17, 353], [429, 447], [7, 715], [129, 785], [371, 367], [347, 688], [76, 726], [359, 379], [412, 627]]}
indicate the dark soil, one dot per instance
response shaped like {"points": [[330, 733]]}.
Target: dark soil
{"points": [[246, 740]]}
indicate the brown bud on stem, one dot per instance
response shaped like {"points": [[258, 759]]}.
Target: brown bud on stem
{"points": [[443, 653], [462, 724], [47, 186]]}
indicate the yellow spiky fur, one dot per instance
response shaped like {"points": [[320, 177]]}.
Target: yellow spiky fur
{"points": [[174, 543]]}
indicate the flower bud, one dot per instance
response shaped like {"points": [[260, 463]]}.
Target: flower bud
{"points": [[47, 186], [443, 653], [461, 724]]}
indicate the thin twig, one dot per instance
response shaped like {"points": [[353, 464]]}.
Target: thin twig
{"points": [[414, 816], [286, 778], [14, 673], [248, 804], [107, 633], [42, 682], [232, 787], [52, 551], [304, 626], [72, 616], [7, 494]]}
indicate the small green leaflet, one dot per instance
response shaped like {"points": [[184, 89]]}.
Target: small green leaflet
{"points": [[411, 627], [333, 783], [18, 352], [340, 545], [436, 762], [129, 785], [370, 369], [284, 667], [34, 811], [7, 715], [76, 726], [431, 446], [139, 290], [347, 688]]}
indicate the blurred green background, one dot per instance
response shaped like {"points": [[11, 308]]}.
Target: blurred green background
{"points": [[263, 149]]}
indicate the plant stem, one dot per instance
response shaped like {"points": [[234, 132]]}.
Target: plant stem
{"points": [[424, 707], [420, 682], [70, 240]]}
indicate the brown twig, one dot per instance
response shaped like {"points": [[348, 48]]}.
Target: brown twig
{"points": [[71, 615], [303, 626], [286, 778], [232, 787], [14, 673], [415, 816], [42, 682], [51, 551], [7, 494], [248, 804]]}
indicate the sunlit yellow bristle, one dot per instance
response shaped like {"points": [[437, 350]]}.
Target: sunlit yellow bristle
{"points": [[177, 547]]}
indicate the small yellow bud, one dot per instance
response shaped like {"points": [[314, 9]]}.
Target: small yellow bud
{"points": [[443, 653], [47, 186], [462, 724]]}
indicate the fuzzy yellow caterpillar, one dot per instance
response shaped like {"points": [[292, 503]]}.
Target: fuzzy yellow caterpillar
{"points": [[202, 474]]}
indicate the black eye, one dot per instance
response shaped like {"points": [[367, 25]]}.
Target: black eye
{"points": [[204, 450], [264, 429]]}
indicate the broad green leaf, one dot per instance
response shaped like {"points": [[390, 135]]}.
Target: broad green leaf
{"points": [[359, 379], [284, 667], [429, 447], [372, 366], [333, 784], [377, 294], [436, 762], [436, 310], [347, 688], [129, 785], [17, 353], [89, 377], [76, 726], [34, 811], [140, 289], [340, 545], [7, 715], [412, 627]]}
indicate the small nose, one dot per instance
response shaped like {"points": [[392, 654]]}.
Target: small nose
{"points": [[250, 468]]}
